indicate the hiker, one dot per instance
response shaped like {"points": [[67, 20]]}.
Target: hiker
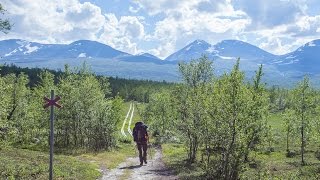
{"points": [[140, 136]]}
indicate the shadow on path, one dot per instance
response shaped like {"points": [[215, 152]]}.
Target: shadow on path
{"points": [[154, 170], [131, 167]]}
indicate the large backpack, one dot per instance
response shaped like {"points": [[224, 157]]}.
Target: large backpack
{"points": [[139, 132]]}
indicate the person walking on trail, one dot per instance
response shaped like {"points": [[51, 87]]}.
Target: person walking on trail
{"points": [[140, 136]]}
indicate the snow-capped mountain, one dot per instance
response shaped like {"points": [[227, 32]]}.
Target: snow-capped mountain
{"points": [[235, 49], [191, 51], [106, 60], [14, 49], [227, 49], [305, 59]]}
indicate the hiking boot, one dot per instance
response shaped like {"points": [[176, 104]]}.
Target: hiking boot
{"points": [[145, 161], [141, 163]]}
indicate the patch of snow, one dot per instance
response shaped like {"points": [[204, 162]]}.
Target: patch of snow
{"points": [[22, 43], [188, 48], [78, 44], [140, 54], [291, 62], [290, 57], [30, 49], [226, 57], [277, 62], [10, 53], [82, 55], [311, 44], [211, 49]]}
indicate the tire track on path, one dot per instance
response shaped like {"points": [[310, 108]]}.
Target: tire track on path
{"points": [[125, 121], [130, 121]]}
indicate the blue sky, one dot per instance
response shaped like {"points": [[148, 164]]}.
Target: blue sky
{"points": [[161, 27]]}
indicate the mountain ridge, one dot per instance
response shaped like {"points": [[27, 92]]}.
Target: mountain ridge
{"points": [[198, 47], [106, 60]]}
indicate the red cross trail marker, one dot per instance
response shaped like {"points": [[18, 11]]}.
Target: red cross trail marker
{"points": [[51, 102]]}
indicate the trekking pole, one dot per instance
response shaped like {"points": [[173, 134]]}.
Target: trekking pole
{"points": [[150, 154]]}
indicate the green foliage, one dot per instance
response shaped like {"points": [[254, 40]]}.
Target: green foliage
{"points": [[127, 89], [222, 117], [158, 115], [174, 155], [5, 25], [136, 90], [304, 108], [88, 119], [279, 99]]}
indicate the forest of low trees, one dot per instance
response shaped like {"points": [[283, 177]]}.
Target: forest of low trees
{"points": [[221, 121], [87, 120], [91, 106], [224, 119], [127, 89]]}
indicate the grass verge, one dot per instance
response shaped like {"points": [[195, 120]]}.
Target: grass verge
{"points": [[111, 159], [26, 164], [174, 157]]}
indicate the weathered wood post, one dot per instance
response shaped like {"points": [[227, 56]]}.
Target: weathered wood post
{"points": [[51, 102]]}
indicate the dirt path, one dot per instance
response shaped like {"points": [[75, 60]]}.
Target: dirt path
{"points": [[130, 169]]}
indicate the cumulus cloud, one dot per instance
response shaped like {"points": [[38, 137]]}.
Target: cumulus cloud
{"points": [[278, 26], [161, 28], [267, 14], [123, 33], [160, 6], [53, 21], [60, 21], [308, 26], [185, 21]]}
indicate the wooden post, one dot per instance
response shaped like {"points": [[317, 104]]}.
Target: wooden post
{"points": [[51, 102]]}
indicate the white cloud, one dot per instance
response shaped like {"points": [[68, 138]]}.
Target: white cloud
{"points": [[270, 13], [288, 37], [185, 21], [308, 26], [134, 9], [160, 6], [53, 21], [123, 33], [60, 21], [278, 26]]}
